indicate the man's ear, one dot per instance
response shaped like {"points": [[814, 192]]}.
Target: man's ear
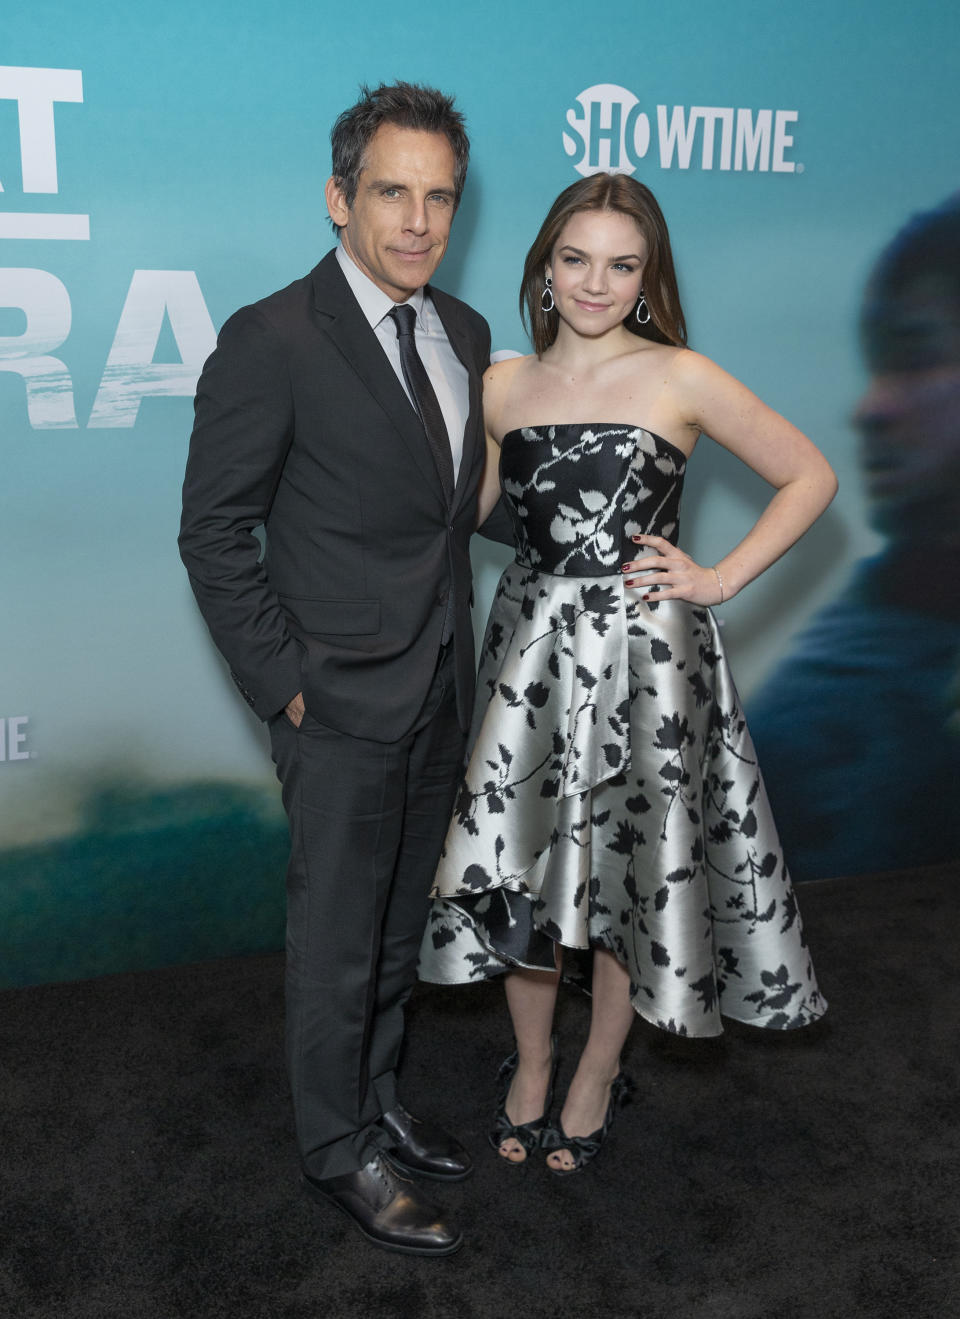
{"points": [[337, 206]]}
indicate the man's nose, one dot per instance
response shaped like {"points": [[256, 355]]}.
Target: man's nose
{"points": [[416, 218]]}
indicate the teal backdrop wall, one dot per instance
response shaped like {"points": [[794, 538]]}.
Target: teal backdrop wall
{"points": [[162, 165]]}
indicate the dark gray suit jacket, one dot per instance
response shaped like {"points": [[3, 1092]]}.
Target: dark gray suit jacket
{"points": [[303, 426]]}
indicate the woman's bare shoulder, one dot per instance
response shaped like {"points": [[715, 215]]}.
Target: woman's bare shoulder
{"points": [[692, 369], [499, 386], [499, 375]]}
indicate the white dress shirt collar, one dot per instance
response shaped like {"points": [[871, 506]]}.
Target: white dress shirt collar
{"points": [[374, 303]]}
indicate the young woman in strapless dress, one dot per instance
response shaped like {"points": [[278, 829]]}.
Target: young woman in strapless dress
{"points": [[612, 802]]}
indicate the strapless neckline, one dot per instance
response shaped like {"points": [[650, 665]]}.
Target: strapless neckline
{"points": [[598, 425]]}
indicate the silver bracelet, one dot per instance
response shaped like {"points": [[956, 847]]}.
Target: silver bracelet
{"points": [[720, 580]]}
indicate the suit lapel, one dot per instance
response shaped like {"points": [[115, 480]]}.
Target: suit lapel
{"points": [[464, 348], [341, 319]]}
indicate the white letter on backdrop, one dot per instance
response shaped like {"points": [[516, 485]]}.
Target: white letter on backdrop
{"points": [[131, 374], [753, 140], [782, 141], [678, 133], [35, 91], [45, 303]]}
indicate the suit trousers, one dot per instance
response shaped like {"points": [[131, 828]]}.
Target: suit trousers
{"points": [[367, 823]]}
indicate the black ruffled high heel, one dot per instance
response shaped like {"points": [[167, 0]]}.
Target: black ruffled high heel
{"points": [[527, 1134], [586, 1148]]}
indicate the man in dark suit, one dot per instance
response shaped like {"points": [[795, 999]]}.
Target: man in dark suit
{"points": [[352, 432]]}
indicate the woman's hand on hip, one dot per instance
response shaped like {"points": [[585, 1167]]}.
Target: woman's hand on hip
{"points": [[673, 573]]}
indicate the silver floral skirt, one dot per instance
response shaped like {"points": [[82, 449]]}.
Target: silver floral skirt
{"points": [[613, 800]]}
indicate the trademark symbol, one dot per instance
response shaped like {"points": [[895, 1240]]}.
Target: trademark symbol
{"points": [[798, 169]]}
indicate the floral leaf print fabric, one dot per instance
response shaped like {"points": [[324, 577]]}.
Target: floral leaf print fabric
{"points": [[612, 797]]}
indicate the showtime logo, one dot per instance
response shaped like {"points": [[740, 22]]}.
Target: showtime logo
{"points": [[609, 130]]}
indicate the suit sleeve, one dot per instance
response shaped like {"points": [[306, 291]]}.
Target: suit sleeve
{"points": [[242, 432], [486, 345], [498, 526]]}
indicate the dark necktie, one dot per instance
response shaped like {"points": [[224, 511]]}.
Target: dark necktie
{"points": [[424, 398]]}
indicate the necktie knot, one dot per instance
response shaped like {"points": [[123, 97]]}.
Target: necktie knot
{"points": [[404, 317]]}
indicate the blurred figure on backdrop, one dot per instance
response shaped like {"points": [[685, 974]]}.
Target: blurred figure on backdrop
{"points": [[856, 729], [612, 801], [343, 414]]}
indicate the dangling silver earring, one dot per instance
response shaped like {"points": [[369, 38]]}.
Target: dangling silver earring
{"points": [[642, 307], [547, 293]]}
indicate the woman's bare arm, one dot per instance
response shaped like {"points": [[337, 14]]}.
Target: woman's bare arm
{"points": [[720, 406]]}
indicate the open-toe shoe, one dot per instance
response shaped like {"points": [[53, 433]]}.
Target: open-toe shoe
{"points": [[527, 1134], [586, 1148]]}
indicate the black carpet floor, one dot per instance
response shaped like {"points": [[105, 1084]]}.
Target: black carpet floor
{"points": [[148, 1168]]}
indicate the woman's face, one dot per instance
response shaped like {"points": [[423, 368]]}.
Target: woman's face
{"points": [[597, 270]]}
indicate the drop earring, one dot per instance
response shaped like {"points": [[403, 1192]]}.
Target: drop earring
{"points": [[643, 319], [547, 293]]}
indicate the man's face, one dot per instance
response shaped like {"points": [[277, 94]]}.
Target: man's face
{"points": [[909, 417], [398, 226]]}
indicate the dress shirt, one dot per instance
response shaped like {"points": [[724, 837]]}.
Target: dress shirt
{"points": [[447, 373]]}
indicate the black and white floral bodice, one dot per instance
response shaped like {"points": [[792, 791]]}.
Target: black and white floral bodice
{"points": [[577, 492]]}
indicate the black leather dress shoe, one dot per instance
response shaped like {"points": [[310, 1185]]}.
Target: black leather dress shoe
{"points": [[423, 1148], [388, 1209]]}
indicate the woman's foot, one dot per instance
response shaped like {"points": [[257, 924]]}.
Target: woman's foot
{"points": [[526, 1091], [588, 1113]]}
